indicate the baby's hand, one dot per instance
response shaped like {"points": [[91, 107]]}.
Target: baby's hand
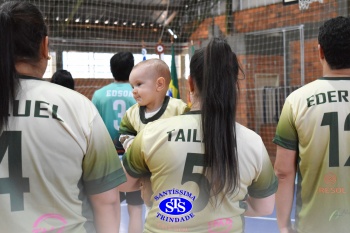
{"points": [[123, 138]]}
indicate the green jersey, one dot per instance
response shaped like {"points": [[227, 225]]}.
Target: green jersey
{"points": [[112, 101], [135, 119], [55, 152], [315, 121], [171, 152]]}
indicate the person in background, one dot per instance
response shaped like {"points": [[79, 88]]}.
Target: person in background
{"points": [[59, 168], [313, 141], [207, 171], [63, 78], [111, 102]]}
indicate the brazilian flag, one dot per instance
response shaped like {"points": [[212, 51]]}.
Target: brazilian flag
{"points": [[174, 86]]}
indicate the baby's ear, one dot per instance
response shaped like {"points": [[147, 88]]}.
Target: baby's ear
{"points": [[160, 84]]}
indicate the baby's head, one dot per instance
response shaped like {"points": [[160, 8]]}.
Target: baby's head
{"points": [[150, 80]]}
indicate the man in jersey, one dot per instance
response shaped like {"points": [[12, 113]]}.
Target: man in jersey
{"points": [[59, 170], [150, 81], [313, 142], [111, 102], [207, 171]]}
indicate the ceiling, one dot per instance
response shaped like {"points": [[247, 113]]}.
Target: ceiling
{"points": [[128, 21]]}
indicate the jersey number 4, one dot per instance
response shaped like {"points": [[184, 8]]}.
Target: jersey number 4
{"points": [[331, 119], [15, 184]]}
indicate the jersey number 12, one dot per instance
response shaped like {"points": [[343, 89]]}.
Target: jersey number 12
{"points": [[331, 119]]}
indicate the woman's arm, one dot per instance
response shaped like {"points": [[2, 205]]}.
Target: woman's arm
{"points": [[106, 207], [260, 206]]}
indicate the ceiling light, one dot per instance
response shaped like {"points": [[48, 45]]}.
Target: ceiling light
{"points": [[97, 21], [87, 20], [171, 32], [107, 21]]}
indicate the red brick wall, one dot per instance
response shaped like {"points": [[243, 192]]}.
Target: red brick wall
{"points": [[312, 65], [202, 31], [279, 15]]}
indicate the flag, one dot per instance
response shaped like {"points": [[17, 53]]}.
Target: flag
{"points": [[192, 49], [144, 53], [173, 87]]}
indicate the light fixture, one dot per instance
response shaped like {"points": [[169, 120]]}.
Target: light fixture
{"points": [[97, 21], [57, 18], [134, 24], [77, 20], [87, 20], [125, 23], [142, 24], [170, 31], [151, 25], [107, 21], [66, 20], [115, 23]]}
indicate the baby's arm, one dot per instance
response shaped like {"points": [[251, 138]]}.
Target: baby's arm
{"points": [[127, 132]]}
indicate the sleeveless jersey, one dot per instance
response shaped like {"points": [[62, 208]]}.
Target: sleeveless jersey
{"points": [[315, 122], [112, 101], [55, 152], [171, 152]]}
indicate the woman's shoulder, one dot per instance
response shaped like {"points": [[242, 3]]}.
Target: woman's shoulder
{"points": [[245, 134]]}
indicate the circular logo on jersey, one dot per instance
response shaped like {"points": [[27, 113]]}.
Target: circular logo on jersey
{"points": [[330, 178], [159, 48], [144, 51], [175, 206], [49, 223]]}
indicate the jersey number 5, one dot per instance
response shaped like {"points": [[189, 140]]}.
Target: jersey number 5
{"points": [[331, 119], [193, 160], [15, 184]]}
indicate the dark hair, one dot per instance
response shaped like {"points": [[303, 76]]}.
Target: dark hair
{"points": [[334, 39], [121, 65], [22, 30], [214, 70], [63, 78]]}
